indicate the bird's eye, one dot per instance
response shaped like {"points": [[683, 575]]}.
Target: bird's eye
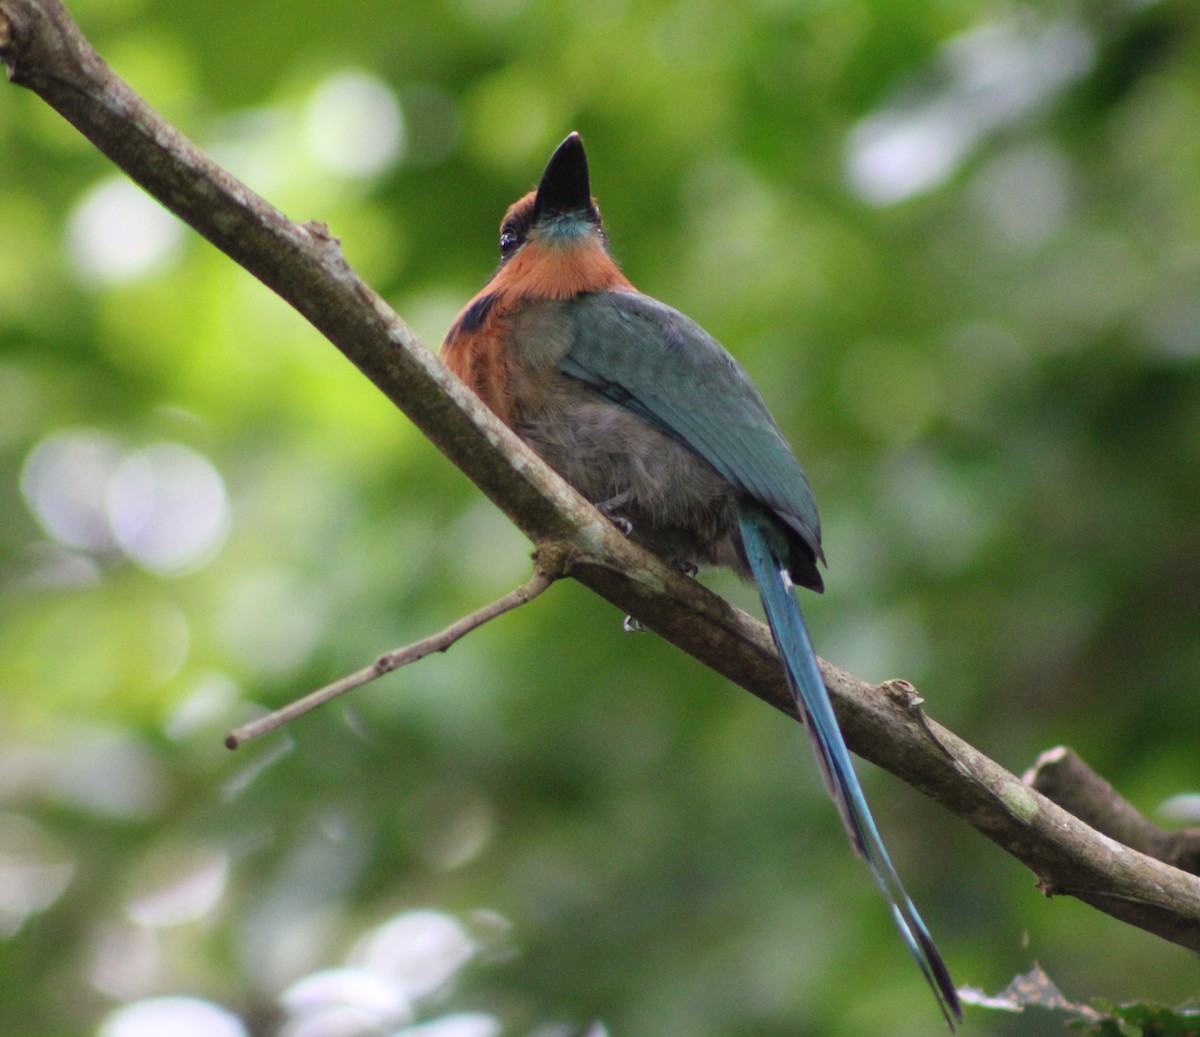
{"points": [[508, 243]]}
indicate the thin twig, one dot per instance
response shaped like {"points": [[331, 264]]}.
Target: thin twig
{"points": [[389, 661]]}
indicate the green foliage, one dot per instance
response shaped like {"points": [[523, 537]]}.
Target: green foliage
{"points": [[955, 242]]}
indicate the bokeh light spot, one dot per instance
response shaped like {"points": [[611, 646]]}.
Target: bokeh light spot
{"points": [[1025, 192], [168, 508], [460, 1024], [107, 772], [127, 961], [117, 233], [189, 888], [34, 872], [985, 79], [368, 994], [354, 125], [164, 506], [1183, 809], [419, 951], [65, 483], [177, 1016]]}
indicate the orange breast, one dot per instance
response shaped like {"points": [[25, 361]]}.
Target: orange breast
{"points": [[479, 356], [479, 346], [542, 271]]}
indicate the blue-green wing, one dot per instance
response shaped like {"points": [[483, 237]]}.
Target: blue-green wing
{"points": [[654, 360]]}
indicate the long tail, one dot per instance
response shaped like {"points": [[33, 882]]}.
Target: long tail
{"points": [[812, 700]]}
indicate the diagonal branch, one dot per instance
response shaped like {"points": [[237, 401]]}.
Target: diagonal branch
{"points": [[45, 51]]}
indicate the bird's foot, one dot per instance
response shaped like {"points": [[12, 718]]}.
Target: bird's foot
{"points": [[610, 507], [622, 523]]}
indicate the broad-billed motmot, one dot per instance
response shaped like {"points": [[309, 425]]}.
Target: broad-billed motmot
{"points": [[651, 419]]}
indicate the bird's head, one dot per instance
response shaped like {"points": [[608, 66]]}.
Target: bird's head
{"points": [[561, 212]]}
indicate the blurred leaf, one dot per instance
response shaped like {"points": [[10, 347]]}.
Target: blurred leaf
{"points": [[1035, 989]]}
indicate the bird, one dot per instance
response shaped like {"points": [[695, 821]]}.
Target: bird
{"points": [[655, 423]]}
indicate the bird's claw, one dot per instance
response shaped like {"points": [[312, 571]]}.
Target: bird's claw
{"points": [[609, 508], [622, 523]]}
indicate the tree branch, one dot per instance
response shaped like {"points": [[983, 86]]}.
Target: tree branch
{"points": [[44, 51], [1061, 775], [543, 576]]}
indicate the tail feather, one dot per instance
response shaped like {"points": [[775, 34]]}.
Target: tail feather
{"points": [[812, 701]]}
